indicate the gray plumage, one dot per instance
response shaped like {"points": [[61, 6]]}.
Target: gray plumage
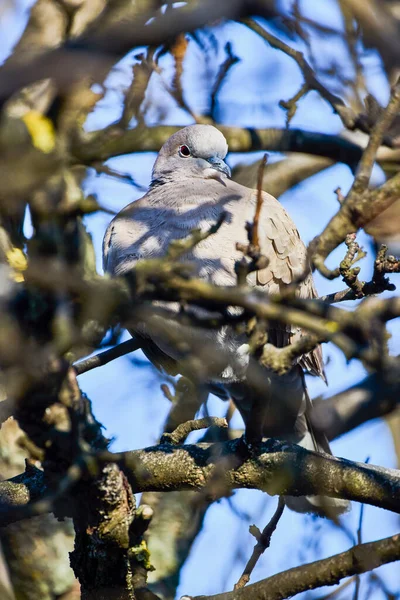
{"points": [[190, 189]]}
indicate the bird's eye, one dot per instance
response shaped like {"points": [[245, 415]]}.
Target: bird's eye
{"points": [[184, 151]]}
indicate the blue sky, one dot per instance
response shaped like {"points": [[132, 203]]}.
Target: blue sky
{"points": [[126, 397]]}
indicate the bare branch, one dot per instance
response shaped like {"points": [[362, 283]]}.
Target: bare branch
{"points": [[179, 435], [114, 141], [275, 467], [102, 358], [350, 119], [178, 248], [230, 61], [99, 49], [263, 543], [255, 240], [380, 29], [328, 571], [373, 397], [282, 175], [358, 209], [106, 170], [359, 289]]}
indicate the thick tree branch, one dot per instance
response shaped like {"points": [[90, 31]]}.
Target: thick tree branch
{"points": [[371, 398], [275, 467], [282, 175], [24, 488], [113, 141]]}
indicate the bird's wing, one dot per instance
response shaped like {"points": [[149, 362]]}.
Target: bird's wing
{"points": [[280, 242], [121, 235], [108, 250]]}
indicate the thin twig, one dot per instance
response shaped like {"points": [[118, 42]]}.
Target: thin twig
{"points": [[360, 206], [359, 541], [179, 247], [179, 435], [341, 296], [379, 283], [135, 94], [339, 195], [337, 590], [178, 52], [224, 69], [347, 270], [126, 177], [291, 105], [263, 543], [383, 264], [255, 239], [98, 360], [383, 123], [349, 118], [328, 571]]}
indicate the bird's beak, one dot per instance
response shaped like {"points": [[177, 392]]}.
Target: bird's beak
{"points": [[218, 164]]}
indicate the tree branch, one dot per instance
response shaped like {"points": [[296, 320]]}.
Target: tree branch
{"points": [[373, 397], [282, 175], [281, 360], [328, 571], [349, 118], [263, 542], [359, 206], [102, 46], [380, 29], [275, 467], [102, 358], [114, 141], [179, 435]]}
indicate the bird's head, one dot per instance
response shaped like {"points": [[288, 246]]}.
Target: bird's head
{"points": [[195, 151]]}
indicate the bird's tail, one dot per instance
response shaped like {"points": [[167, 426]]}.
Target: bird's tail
{"points": [[279, 406], [320, 505], [316, 441]]}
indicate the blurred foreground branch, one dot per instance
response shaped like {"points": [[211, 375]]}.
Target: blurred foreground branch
{"points": [[99, 48]]}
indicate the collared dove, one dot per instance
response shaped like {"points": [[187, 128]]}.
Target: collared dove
{"points": [[191, 188]]}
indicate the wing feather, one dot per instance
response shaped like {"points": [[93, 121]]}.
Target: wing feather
{"points": [[280, 242]]}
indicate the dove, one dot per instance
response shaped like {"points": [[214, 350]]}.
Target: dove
{"points": [[191, 189]]}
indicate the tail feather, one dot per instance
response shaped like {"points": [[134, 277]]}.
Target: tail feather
{"points": [[280, 409], [320, 505], [315, 441]]}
